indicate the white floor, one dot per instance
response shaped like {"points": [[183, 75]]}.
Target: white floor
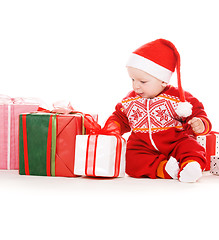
{"points": [[35, 207]]}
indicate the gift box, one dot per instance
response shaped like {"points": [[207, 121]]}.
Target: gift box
{"points": [[10, 109], [214, 165], [211, 144], [100, 156], [47, 143]]}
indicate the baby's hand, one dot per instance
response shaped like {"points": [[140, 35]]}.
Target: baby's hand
{"points": [[197, 125]]}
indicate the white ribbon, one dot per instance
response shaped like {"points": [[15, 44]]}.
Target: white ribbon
{"points": [[9, 138], [64, 107]]}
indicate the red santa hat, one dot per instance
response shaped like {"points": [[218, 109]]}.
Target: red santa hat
{"points": [[160, 58]]}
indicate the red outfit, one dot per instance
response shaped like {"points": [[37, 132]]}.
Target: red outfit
{"points": [[158, 132]]}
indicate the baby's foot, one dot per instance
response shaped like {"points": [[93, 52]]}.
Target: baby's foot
{"points": [[172, 167], [191, 172]]}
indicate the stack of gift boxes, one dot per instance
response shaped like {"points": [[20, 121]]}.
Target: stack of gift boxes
{"points": [[55, 145], [45, 143]]}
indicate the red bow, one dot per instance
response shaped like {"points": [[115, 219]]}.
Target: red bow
{"points": [[92, 127]]}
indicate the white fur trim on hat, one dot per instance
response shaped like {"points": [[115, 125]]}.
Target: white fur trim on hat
{"points": [[152, 68], [184, 109]]}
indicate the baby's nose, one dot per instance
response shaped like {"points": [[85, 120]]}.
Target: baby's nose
{"points": [[136, 86]]}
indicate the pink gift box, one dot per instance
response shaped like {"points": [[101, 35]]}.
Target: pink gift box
{"points": [[9, 119]]}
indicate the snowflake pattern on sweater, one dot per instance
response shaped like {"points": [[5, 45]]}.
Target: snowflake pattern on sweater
{"points": [[159, 113]]}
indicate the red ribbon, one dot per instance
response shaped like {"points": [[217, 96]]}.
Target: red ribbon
{"points": [[213, 132], [94, 130], [26, 162], [92, 127], [91, 155], [48, 151]]}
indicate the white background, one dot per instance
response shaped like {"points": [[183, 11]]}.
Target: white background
{"points": [[77, 51]]}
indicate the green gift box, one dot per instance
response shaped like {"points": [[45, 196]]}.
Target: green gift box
{"points": [[47, 143]]}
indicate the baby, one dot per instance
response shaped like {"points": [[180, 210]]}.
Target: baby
{"points": [[164, 120]]}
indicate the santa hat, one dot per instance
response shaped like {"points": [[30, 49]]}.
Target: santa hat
{"points": [[160, 58]]}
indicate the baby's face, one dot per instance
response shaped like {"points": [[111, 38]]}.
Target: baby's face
{"points": [[144, 84]]}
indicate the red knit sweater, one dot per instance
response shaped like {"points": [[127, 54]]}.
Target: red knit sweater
{"points": [[157, 115]]}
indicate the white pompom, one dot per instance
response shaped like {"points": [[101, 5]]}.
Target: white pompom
{"points": [[184, 109]]}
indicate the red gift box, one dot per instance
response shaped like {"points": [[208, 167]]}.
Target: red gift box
{"points": [[211, 144], [68, 127]]}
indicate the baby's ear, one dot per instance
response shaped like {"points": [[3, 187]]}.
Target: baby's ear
{"points": [[163, 84]]}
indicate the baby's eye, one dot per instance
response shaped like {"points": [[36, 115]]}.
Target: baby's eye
{"points": [[143, 82]]}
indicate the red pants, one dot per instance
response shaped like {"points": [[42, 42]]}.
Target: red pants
{"points": [[142, 159]]}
